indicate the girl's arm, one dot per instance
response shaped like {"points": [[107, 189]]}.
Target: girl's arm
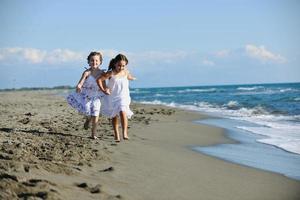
{"points": [[101, 82], [85, 74], [130, 77]]}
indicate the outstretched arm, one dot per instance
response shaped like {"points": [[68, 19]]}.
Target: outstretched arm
{"points": [[130, 77], [101, 82], [82, 79]]}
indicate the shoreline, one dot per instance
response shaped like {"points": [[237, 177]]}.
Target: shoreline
{"points": [[247, 151], [59, 161]]}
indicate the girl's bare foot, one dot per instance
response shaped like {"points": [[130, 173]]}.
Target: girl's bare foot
{"points": [[94, 137], [117, 138], [126, 138]]}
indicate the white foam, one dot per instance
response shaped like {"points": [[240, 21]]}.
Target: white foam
{"points": [[138, 91], [164, 95], [288, 90], [198, 90], [286, 137], [232, 105], [155, 102], [249, 88], [262, 90], [281, 131], [297, 99]]}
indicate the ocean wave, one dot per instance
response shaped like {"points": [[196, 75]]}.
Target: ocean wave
{"points": [[284, 136], [158, 102], [213, 109], [197, 90], [297, 99], [258, 115], [137, 91], [231, 110], [287, 90], [250, 88], [196, 107], [232, 105], [257, 110], [164, 95], [252, 91], [203, 104], [269, 92], [154, 102]]}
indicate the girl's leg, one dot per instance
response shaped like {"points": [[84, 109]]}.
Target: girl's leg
{"points": [[124, 123], [94, 120], [115, 124], [87, 122]]}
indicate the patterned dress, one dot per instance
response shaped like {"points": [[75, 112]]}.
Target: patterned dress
{"points": [[87, 102]]}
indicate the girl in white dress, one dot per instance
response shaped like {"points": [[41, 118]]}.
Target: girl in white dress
{"points": [[117, 101], [86, 99]]}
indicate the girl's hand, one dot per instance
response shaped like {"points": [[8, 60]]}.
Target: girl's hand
{"points": [[130, 77], [78, 88], [107, 91]]}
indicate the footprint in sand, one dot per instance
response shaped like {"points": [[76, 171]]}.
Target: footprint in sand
{"points": [[26, 195], [7, 130], [24, 121], [109, 169], [29, 114], [93, 189], [8, 176]]}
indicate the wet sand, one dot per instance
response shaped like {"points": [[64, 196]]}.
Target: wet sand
{"points": [[45, 153]]}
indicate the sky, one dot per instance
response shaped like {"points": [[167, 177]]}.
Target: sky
{"points": [[168, 43]]}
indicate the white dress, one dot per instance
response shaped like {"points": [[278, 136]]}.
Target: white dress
{"points": [[87, 101], [119, 98]]}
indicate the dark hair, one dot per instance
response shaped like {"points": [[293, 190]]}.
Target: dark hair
{"points": [[95, 53], [118, 58], [111, 64]]}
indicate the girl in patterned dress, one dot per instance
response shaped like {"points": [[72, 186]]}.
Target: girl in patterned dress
{"points": [[86, 99]]}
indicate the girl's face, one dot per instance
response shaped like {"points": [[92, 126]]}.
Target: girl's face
{"points": [[94, 61], [119, 66]]}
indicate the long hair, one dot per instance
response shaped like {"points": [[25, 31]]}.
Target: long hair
{"points": [[118, 58], [111, 65]]}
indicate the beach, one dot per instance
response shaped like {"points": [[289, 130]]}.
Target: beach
{"points": [[46, 153]]}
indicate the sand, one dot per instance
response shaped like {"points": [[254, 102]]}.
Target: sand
{"points": [[46, 154]]}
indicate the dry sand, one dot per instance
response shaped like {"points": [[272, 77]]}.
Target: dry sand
{"points": [[46, 154]]}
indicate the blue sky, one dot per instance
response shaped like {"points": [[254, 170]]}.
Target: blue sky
{"points": [[168, 43]]}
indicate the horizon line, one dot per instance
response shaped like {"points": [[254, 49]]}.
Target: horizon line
{"points": [[208, 85]]}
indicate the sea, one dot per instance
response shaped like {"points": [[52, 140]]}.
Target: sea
{"points": [[264, 119]]}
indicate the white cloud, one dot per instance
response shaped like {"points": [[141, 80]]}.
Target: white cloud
{"points": [[36, 56], [262, 54], [158, 56], [208, 62], [222, 53], [17, 55], [33, 55], [63, 55], [249, 51], [110, 53]]}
